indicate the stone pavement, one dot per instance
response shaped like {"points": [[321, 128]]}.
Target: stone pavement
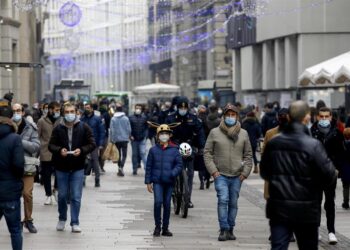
{"points": [[119, 216]]}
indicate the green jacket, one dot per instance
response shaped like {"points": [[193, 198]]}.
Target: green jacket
{"points": [[229, 158]]}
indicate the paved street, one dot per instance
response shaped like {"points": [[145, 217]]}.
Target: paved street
{"points": [[119, 215]]}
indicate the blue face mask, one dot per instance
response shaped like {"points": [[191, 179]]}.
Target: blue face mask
{"points": [[230, 121], [56, 115], [182, 112], [324, 123], [17, 117], [70, 117]]}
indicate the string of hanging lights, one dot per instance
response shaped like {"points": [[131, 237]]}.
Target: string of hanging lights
{"points": [[28, 5]]}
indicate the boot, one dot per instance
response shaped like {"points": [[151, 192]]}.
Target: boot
{"points": [[166, 232], [156, 231], [207, 184], [202, 185], [230, 235], [97, 183], [30, 226], [120, 172], [256, 169], [223, 235]]}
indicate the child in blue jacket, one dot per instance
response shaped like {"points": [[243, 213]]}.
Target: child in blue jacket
{"points": [[164, 164]]}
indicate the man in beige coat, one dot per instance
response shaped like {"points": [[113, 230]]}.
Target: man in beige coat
{"points": [[228, 158], [45, 127]]}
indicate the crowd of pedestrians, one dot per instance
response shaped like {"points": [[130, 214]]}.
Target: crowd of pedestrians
{"points": [[303, 151]]}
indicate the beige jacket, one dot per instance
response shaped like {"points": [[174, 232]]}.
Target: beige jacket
{"points": [[229, 158], [45, 127]]}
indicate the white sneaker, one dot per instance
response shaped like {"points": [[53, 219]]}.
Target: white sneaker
{"points": [[332, 239], [55, 195], [319, 237], [60, 225], [53, 200], [76, 229], [48, 200]]}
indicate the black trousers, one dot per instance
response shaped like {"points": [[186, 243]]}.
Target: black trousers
{"points": [[122, 147], [305, 234], [47, 169], [329, 206]]}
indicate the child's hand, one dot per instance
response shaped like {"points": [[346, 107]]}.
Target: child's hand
{"points": [[150, 188]]}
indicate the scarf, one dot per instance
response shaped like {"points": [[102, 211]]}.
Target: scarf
{"points": [[230, 132]]}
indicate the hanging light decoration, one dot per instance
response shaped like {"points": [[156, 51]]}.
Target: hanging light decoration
{"points": [[251, 8], [28, 5]]}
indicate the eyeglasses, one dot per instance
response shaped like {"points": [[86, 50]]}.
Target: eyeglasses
{"points": [[17, 110]]}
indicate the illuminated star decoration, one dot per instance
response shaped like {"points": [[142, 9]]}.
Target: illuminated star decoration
{"points": [[70, 14]]}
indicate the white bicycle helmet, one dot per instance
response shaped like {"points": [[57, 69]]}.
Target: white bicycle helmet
{"points": [[185, 149]]}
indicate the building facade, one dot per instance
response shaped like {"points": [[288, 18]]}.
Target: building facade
{"points": [[271, 51], [18, 43], [106, 47]]}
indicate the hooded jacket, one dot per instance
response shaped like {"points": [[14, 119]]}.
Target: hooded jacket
{"points": [[163, 164], [11, 161], [120, 129], [269, 121], [82, 138], [30, 139]]}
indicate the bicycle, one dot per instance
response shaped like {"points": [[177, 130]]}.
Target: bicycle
{"points": [[181, 193]]}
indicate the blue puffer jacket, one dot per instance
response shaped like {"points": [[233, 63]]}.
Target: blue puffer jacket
{"points": [[11, 162], [163, 165], [97, 127]]}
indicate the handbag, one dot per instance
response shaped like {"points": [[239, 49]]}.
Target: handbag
{"points": [[31, 165]]}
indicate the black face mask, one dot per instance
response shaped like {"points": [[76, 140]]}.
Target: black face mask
{"points": [[87, 112]]}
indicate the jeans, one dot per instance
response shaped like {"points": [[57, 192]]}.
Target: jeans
{"points": [[11, 210], [95, 164], [47, 169], [28, 184], [227, 189], [138, 152], [122, 147], [329, 206], [70, 182], [162, 197], [306, 235]]}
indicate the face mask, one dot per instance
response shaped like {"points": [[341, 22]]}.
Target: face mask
{"points": [[17, 117], [324, 123], [164, 137], [230, 121], [182, 112], [87, 112], [70, 117], [45, 111], [56, 115], [137, 111]]}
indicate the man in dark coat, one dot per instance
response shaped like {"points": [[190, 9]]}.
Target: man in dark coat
{"points": [[11, 174], [325, 130], [139, 134], [297, 169], [269, 120], [70, 142]]}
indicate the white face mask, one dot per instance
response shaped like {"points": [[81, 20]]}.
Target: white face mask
{"points": [[164, 137], [137, 111]]}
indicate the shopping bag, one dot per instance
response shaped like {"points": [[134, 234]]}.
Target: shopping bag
{"points": [[111, 153]]}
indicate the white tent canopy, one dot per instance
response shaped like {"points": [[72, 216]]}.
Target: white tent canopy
{"points": [[156, 88], [332, 71]]}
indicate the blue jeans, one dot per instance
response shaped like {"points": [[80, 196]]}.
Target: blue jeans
{"points": [[72, 182], [306, 235], [138, 152], [162, 197], [227, 189], [11, 210]]}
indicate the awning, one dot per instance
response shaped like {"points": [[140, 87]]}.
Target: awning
{"points": [[333, 71]]}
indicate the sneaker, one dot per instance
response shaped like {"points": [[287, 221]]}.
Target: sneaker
{"points": [[167, 233], [76, 229], [319, 237], [48, 200], [30, 226], [156, 232], [345, 205], [61, 225], [332, 239], [97, 183], [223, 235], [230, 235], [256, 169], [190, 205], [120, 172]]}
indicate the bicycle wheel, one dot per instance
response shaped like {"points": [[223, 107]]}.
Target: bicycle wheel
{"points": [[176, 197], [185, 198]]}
